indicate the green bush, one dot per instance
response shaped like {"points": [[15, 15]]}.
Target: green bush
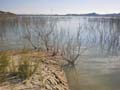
{"points": [[23, 68], [4, 63], [26, 67]]}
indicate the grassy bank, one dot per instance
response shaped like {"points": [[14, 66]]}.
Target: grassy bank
{"points": [[25, 69]]}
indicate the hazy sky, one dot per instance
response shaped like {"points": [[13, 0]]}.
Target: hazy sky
{"points": [[60, 6]]}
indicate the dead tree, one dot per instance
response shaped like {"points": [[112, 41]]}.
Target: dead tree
{"points": [[28, 35], [73, 47]]}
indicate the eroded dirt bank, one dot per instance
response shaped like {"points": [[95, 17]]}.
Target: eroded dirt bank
{"points": [[49, 75]]}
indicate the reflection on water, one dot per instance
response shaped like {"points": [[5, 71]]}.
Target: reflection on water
{"points": [[99, 73], [84, 81], [97, 69]]}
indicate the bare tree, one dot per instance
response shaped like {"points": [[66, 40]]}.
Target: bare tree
{"points": [[28, 35], [73, 47], [42, 30], [45, 33]]}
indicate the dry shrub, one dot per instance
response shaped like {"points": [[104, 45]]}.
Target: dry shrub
{"points": [[4, 65], [4, 62], [26, 67]]}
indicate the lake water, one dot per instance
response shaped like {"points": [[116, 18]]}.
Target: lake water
{"points": [[96, 69]]}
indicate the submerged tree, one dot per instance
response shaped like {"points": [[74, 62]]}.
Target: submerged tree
{"points": [[73, 47]]}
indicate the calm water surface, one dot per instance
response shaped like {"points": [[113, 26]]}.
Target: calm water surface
{"points": [[96, 69]]}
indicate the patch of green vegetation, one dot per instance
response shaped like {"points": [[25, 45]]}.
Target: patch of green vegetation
{"points": [[26, 67], [12, 67], [4, 64], [22, 68]]}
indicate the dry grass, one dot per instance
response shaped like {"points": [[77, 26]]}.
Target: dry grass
{"points": [[4, 65], [4, 62], [27, 67], [22, 65]]}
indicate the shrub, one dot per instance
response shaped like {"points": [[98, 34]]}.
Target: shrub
{"points": [[12, 66], [4, 62], [26, 67]]}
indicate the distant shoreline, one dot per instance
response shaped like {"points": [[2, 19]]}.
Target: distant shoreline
{"points": [[105, 15], [2, 13]]}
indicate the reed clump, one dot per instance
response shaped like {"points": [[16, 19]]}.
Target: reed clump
{"points": [[26, 67], [22, 68], [4, 65]]}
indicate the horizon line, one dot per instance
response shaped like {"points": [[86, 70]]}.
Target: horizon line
{"points": [[59, 13]]}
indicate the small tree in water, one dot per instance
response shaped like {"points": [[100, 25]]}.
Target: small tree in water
{"points": [[73, 47]]}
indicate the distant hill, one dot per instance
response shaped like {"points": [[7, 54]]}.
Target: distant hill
{"points": [[2, 13], [94, 14], [89, 14], [114, 14]]}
